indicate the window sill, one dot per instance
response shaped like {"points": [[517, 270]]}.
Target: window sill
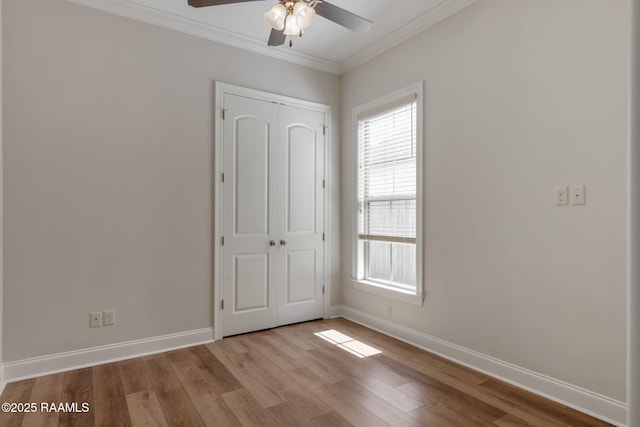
{"points": [[387, 291]]}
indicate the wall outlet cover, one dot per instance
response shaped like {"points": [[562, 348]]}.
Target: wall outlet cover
{"points": [[577, 194], [95, 319], [388, 311], [560, 196]]}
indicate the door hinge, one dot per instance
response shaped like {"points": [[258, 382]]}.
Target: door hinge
{"points": [[323, 237], [222, 241], [222, 177], [221, 304], [323, 183], [322, 289], [324, 129], [223, 113]]}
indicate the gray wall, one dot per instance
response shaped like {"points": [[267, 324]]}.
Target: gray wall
{"points": [[1, 206], [520, 97], [108, 172], [108, 136], [633, 360]]}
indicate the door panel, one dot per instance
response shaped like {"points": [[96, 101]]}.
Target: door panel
{"points": [[251, 189], [301, 133], [273, 211], [301, 179], [249, 272], [251, 283], [301, 280]]}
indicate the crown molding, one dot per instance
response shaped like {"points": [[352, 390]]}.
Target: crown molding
{"points": [[415, 27], [189, 26]]}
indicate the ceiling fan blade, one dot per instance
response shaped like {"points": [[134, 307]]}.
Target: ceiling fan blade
{"points": [[276, 38], [343, 17], [204, 3]]}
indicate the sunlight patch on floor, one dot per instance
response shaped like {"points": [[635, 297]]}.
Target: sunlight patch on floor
{"points": [[345, 342]]}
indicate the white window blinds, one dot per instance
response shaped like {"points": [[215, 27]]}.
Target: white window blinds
{"points": [[387, 172]]}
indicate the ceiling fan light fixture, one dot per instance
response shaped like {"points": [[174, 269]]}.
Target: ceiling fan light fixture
{"points": [[276, 16], [304, 14], [291, 27], [290, 17]]}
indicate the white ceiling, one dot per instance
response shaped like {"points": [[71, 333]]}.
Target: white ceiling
{"points": [[326, 46]]}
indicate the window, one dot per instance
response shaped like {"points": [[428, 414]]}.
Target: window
{"points": [[389, 193]]}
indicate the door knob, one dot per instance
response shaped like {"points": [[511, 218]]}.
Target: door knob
{"points": [[272, 242], [283, 242]]}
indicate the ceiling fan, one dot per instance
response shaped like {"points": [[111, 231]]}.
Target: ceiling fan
{"points": [[291, 17]]}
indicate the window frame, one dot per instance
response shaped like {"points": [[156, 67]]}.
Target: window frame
{"points": [[358, 258]]}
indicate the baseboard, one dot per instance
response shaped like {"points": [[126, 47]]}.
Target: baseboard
{"points": [[37, 366], [333, 311], [588, 402], [3, 383]]}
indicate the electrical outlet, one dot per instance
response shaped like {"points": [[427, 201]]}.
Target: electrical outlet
{"points": [[560, 196], [577, 195], [95, 319], [387, 311], [109, 317]]}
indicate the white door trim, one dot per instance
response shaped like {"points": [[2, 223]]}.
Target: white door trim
{"points": [[220, 90]]}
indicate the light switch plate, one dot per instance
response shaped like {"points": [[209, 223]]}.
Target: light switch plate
{"points": [[109, 317]]}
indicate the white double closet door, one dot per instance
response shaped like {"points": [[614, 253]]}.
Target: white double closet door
{"points": [[272, 257]]}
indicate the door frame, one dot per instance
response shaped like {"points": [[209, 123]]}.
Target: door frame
{"points": [[221, 89]]}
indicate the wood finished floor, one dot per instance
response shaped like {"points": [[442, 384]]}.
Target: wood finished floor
{"points": [[287, 377]]}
